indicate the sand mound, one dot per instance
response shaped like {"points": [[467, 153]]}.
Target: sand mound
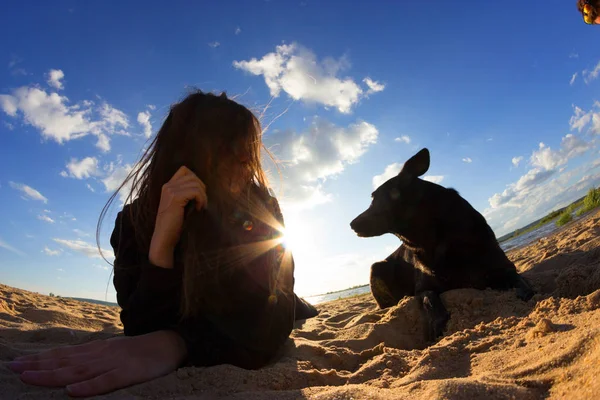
{"points": [[495, 346]]}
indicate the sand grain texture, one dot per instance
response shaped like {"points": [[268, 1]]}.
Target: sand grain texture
{"points": [[495, 346]]}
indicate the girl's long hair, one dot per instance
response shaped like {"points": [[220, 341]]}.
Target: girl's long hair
{"points": [[207, 133]]}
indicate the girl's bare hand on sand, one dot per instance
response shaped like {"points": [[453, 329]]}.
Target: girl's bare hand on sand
{"points": [[182, 188], [102, 366]]}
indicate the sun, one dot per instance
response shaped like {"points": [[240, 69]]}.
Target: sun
{"points": [[296, 237]]}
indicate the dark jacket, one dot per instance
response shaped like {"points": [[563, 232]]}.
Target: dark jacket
{"points": [[249, 336]]}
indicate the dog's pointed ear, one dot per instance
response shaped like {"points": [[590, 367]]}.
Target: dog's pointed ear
{"points": [[418, 164]]}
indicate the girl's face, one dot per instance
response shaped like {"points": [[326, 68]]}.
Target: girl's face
{"points": [[235, 173]]}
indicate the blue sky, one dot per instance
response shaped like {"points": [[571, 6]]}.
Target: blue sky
{"points": [[504, 94]]}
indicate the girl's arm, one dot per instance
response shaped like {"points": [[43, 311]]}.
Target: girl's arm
{"points": [[146, 293]]}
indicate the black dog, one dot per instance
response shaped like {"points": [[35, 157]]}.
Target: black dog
{"points": [[446, 245]]}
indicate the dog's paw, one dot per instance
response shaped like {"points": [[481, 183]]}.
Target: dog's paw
{"points": [[524, 290]]}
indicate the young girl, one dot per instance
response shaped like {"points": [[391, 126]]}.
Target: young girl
{"points": [[200, 271], [590, 9]]}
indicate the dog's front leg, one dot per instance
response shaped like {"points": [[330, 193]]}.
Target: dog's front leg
{"points": [[437, 315]]}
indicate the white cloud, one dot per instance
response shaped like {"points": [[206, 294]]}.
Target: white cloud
{"points": [[214, 44], [8, 247], [573, 55], [112, 121], [57, 120], [296, 70], [545, 162], [28, 192], [143, 119], [9, 105], [238, 30], [85, 248], [589, 76], [390, 171], [8, 125], [434, 178], [81, 233], [322, 153], [517, 160], [581, 119], [573, 79], [547, 159], [52, 252], [151, 107], [60, 270], [467, 160], [45, 218], [104, 267], [374, 86], [82, 169], [403, 139], [14, 60], [90, 187], [55, 77], [103, 143], [541, 198], [116, 173], [541, 187]]}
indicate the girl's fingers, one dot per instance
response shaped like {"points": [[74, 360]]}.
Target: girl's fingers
{"points": [[50, 363], [63, 352], [191, 177], [107, 382], [68, 375], [193, 193], [182, 171]]}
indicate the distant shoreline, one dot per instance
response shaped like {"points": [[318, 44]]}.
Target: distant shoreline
{"points": [[111, 304], [338, 291]]}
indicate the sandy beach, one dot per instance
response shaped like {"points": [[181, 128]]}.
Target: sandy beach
{"points": [[495, 346]]}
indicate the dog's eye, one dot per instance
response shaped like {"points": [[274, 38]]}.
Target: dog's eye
{"points": [[394, 194]]}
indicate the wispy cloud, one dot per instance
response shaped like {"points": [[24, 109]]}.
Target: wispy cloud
{"points": [[516, 160], [583, 119], [467, 160], [214, 45], [50, 252], [8, 247], [81, 233], [238, 30], [573, 79], [390, 171], [434, 178], [28, 192], [143, 119], [589, 76], [403, 139], [373, 86], [84, 248], [45, 218]]}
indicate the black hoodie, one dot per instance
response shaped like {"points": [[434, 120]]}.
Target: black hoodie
{"points": [[248, 337]]}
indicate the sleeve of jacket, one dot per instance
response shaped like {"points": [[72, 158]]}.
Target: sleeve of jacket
{"points": [[147, 294]]}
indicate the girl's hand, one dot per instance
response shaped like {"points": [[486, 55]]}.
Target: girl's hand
{"points": [[182, 188], [102, 366]]}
